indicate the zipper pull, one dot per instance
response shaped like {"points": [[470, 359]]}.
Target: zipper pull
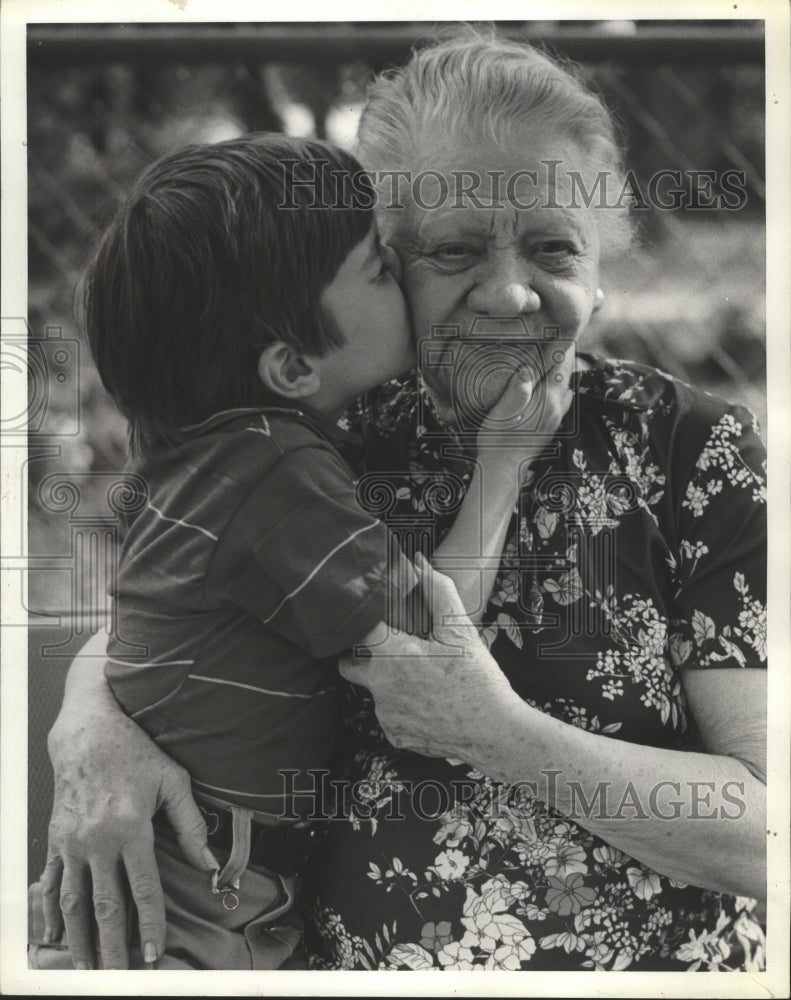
{"points": [[230, 900]]}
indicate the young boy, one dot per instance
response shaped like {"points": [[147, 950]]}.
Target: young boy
{"points": [[238, 303]]}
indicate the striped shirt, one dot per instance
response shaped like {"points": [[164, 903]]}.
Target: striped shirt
{"points": [[247, 569]]}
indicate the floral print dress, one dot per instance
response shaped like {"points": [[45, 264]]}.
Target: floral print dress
{"points": [[637, 550]]}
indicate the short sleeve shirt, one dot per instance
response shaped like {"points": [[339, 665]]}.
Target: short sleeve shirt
{"points": [[637, 550], [247, 567]]}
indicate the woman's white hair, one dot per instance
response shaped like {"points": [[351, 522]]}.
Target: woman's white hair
{"points": [[472, 87]]}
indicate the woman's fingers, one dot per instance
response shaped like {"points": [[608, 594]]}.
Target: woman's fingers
{"points": [[447, 611], [110, 911], [355, 669], [189, 826], [143, 876], [50, 898], [76, 909], [439, 589], [35, 914]]}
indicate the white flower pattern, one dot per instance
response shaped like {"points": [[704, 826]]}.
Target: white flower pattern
{"points": [[499, 881]]}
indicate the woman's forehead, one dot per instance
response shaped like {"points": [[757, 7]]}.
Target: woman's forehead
{"points": [[473, 142], [503, 223], [495, 162]]}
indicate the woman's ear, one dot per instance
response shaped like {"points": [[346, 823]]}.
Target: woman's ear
{"points": [[288, 373]]}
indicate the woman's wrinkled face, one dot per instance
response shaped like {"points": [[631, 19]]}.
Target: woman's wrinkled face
{"points": [[493, 277]]}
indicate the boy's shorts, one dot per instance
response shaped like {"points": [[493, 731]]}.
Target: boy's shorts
{"points": [[252, 927]]}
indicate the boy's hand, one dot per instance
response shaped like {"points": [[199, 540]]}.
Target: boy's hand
{"points": [[527, 414]]}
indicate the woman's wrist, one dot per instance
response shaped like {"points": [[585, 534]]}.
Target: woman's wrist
{"points": [[88, 704], [481, 743]]}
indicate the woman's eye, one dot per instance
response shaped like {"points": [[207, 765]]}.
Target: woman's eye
{"points": [[452, 251], [454, 256], [556, 248]]}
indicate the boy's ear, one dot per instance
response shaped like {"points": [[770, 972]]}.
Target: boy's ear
{"points": [[288, 373]]}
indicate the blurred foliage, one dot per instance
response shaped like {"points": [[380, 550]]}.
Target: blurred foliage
{"points": [[690, 299]]}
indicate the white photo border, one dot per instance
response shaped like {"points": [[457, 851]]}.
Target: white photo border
{"points": [[14, 975]]}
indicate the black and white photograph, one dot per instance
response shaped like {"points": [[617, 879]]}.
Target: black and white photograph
{"points": [[395, 420]]}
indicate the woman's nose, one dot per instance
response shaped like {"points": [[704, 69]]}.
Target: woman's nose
{"points": [[506, 290]]}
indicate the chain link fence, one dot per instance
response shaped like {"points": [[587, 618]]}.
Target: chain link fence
{"points": [[103, 101]]}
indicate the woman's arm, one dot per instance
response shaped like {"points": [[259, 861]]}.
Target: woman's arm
{"points": [[110, 779], [696, 817]]}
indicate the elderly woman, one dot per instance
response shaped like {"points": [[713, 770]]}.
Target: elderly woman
{"points": [[589, 792]]}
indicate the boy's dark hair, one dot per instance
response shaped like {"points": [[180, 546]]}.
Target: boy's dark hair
{"points": [[219, 250]]}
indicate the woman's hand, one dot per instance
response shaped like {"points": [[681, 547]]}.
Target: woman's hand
{"points": [[457, 703], [442, 697], [110, 779]]}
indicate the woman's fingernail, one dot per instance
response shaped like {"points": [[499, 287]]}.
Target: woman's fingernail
{"points": [[149, 952], [48, 936]]}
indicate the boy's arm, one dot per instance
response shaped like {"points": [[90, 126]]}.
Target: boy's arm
{"points": [[470, 554], [512, 436]]}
